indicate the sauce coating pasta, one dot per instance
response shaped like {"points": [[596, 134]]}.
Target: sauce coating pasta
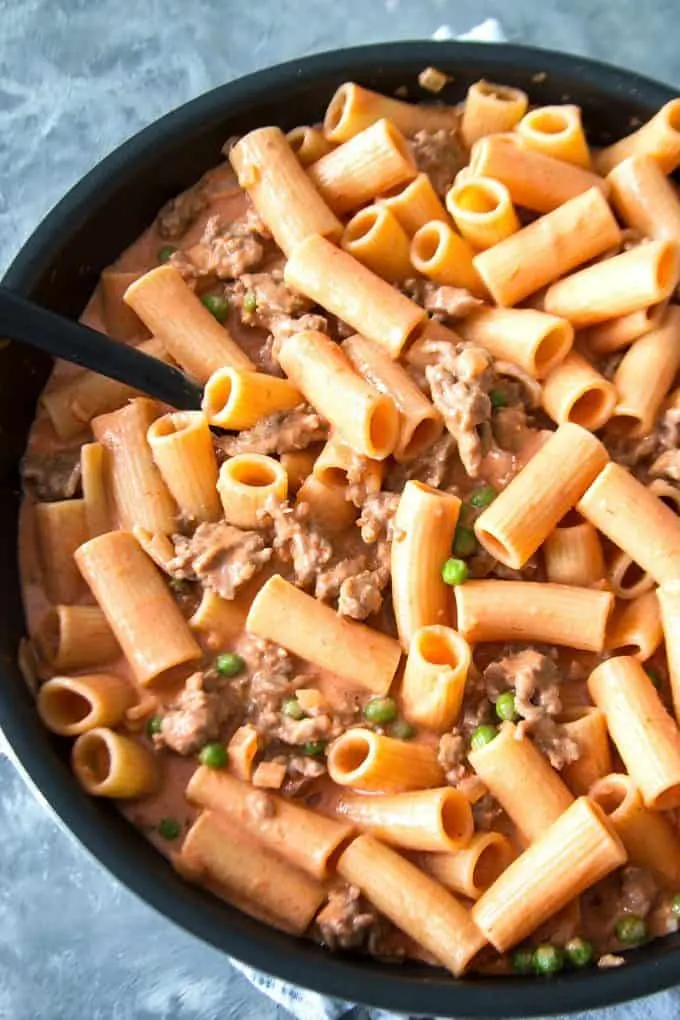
{"points": [[262, 640]]}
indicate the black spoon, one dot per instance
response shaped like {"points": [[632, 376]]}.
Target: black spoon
{"points": [[30, 324]]}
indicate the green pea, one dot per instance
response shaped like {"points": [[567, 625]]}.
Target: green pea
{"points": [[380, 710], [402, 730], [464, 541], [579, 952], [482, 497], [675, 905], [169, 828], [631, 930], [214, 755], [292, 708], [216, 305], [505, 707], [654, 676], [314, 748], [454, 572], [229, 664], [498, 399], [523, 960], [250, 302], [166, 252], [154, 725], [482, 736], [548, 959]]}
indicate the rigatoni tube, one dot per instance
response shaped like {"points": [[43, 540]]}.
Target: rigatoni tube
{"points": [[635, 628], [535, 180], [413, 901], [574, 391], [304, 838], [659, 138], [75, 637], [420, 424], [366, 419], [434, 678], [648, 836], [337, 282], [573, 555], [490, 109], [557, 614], [645, 198], [551, 246], [625, 283], [646, 737], [645, 375], [578, 850], [70, 705], [439, 819], [107, 764], [442, 255], [556, 131], [367, 761], [525, 513], [353, 108], [244, 872], [369, 163], [281, 191], [587, 727], [482, 210], [191, 335], [61, 527], [425, 524], [529, 338], [141, 612], [636, 520], [139, 491], [375, 238], [522, 781], [282, 613], [247, 483], [181, 446], [235, 399], [473, 869]]}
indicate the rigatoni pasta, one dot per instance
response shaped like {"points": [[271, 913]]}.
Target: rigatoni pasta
{"points": [[342, 662]]}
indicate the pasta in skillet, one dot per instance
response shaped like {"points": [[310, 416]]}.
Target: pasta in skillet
{"points": [[380, 646]]}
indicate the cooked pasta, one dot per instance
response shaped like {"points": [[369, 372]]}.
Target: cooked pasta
{"points": [[395, 617]]}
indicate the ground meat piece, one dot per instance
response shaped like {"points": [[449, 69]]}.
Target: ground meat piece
{"points": [[195, 718], [452, 756], [348, 921], [50, 477], [285, 326], [667, 465], [271, 679], [377, 517], [219, 555], [535, 679], [638, 891], [179, 213], [263, 299], [433, 467], [329, 582], [486, 812], [440, 155], [361, 595], [443, 302], [298, 541], [464, 408], [279, 433]]}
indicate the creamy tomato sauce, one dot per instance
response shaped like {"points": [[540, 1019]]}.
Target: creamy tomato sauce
{"points": [[213, 225]]}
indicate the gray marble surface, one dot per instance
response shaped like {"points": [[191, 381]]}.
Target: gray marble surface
{"points": [[76, 78]]}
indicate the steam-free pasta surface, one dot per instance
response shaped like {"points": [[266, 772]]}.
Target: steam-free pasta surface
{"points": [[261, 639]]}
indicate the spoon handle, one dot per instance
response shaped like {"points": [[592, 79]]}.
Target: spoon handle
{"points": [[31, 324]]}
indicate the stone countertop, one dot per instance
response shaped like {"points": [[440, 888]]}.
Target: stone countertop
{"points": [[77, 77]]}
